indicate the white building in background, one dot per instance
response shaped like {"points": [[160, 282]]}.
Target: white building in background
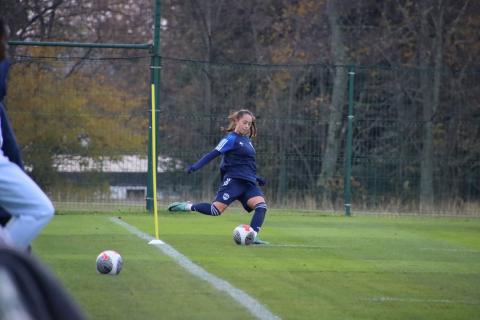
{"points": [[126, 174]]}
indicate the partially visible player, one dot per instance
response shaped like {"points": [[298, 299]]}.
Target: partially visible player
{"points": [[9, 147], [238, 173], [29, 207]]}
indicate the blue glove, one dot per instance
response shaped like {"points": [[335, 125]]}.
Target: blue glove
{"points": [[191, 169], [261, 181]]}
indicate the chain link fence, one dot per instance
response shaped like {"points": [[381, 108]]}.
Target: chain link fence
{"points": [[83, 128]]}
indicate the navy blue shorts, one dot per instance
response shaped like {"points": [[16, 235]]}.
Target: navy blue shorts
{"points": [[237, 189]]}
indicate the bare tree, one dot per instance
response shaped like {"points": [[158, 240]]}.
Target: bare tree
{"points": [[339, 57]]}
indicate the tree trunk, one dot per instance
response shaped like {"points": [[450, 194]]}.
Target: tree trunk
{"points": [[330, 155]]}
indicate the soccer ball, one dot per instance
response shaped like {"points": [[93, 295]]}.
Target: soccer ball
{"points": [[109, 262], [243, 235]]}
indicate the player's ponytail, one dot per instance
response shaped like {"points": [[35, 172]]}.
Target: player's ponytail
{"points": [[233, 118]]}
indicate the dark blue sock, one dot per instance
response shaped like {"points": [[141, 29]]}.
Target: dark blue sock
{"points": [[206, 208], [258, 216]]}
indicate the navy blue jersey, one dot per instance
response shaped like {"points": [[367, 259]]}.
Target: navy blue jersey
{"points": [[4, 66], [8, 142], [238, 157]]}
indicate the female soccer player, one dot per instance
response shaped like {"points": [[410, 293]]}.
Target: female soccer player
{"points": [[238, 173], [29, 207]]}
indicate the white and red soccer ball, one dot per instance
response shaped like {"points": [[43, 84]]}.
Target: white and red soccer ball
{"points": [[244, 235], [109, 262]]}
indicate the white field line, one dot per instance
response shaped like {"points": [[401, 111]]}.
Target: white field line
{"points": [[252, 305], [450, 250], [413, 300]]}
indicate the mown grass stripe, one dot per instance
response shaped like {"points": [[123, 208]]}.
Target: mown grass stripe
{"points": [[414, 300], [450, 250]]}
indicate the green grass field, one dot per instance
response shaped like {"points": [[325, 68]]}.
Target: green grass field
{"points": [[318, 267]]}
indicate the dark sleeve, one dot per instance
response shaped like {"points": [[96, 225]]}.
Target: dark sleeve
{"points": [[4, 67], [9, 147], [206, 159]]}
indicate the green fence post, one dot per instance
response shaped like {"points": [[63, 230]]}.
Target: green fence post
{"points": [[348, 158], [155, 69]]}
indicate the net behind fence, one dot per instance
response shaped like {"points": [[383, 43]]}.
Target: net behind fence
{"points": [[415, 149], [82, 123], [83, 128], [302, 123]]}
